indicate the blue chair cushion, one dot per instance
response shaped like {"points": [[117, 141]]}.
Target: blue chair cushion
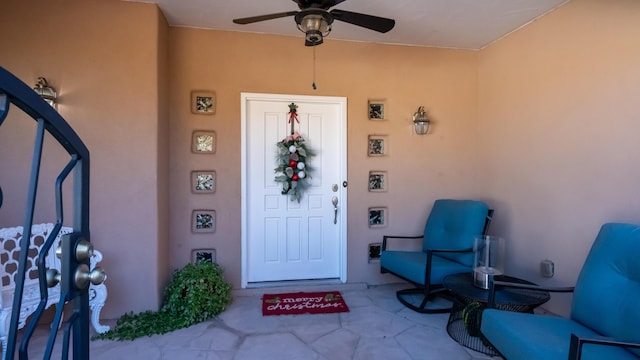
{"points": [[411, 265], [524, 336], [605, 304], [609, 284], [453, 224]]}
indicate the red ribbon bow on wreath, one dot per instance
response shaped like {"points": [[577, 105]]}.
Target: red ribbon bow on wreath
{"points": [[293, 113]]}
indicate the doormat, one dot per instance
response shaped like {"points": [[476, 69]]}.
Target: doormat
{"points": [[303, 303]]}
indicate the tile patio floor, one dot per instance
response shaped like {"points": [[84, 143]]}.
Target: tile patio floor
{"points": [[377, 327]]}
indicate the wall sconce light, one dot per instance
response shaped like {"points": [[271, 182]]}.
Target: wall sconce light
{"points": [[421, 121], [45, 91]]}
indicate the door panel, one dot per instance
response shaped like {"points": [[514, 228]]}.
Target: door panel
{"points": [[284, 239]]}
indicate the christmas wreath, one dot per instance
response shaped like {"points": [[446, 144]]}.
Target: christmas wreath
{"points": [[291, 157]]}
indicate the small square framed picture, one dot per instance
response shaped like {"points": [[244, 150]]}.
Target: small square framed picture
{"points": [[203, 181], [374, 251], [378, 145], [203, 142], [203, 102], [203, 221], [203, 255], [378, 181], [378, 217], [377, 110]]}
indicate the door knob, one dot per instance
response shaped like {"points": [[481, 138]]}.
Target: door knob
{"points": [[53, 277], [83, 276]]}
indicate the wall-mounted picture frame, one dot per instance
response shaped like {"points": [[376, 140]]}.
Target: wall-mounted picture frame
{"points": [[203, 181], [203, 142], [378, 145], [377, 109], [203, 255], [378, 217], [203, 102], [378, 181], [374, 252], [203, 221]]}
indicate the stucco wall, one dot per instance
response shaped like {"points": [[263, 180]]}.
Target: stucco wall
{"points": [[104, 58], [541, 125], [558, 125], [120, 94], [420, 168]]}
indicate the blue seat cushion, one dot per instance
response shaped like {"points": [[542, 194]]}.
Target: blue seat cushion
{"points": [[534, 337], [411, 266], [609, 284], [453, 224]]}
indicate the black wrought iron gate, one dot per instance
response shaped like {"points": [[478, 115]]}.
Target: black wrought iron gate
{"points": [[76, 249]]}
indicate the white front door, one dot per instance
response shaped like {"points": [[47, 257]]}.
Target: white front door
{"points": [[284, 239]]}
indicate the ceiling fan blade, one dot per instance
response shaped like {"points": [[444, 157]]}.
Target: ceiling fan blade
{"points": [[322, 4], [249, 20], [375, 23]]}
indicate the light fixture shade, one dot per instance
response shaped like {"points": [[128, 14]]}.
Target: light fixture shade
{"points": [[314, 22], [45, 91], [421, 122], [315, 25]]}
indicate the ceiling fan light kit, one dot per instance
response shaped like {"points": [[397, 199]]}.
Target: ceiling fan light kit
{"points": [[314, 19], [315, 24]]}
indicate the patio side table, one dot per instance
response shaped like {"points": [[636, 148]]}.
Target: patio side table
{"points": [[469, 301]]}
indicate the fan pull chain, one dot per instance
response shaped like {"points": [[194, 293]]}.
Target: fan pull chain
{"points": [[313, 85]]}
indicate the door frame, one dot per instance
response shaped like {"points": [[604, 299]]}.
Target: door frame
{"points": [[342, 190]]}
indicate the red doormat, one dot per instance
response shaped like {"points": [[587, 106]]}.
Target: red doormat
{"points": [[303, 303]]}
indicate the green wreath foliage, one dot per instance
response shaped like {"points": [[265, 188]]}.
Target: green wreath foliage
{"points": [[293, 176], [196, 293]]}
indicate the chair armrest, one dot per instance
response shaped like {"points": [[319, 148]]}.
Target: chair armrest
{"points": [[385, 237], [449, 250], [430, 253], [575, 347], [496, 283]]}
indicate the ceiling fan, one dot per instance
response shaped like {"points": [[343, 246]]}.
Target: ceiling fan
{"points": [[314, 19]]}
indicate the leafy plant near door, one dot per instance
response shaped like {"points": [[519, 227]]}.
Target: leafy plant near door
{"points": [[195, 294]]}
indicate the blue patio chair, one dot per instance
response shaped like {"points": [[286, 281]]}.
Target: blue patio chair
{"points": [[447, 248], [604, 323]]}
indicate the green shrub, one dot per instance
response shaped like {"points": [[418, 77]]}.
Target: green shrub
{"points": [[196, 293]]}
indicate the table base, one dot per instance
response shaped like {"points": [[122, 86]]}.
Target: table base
{"points": [[459, 332]]}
